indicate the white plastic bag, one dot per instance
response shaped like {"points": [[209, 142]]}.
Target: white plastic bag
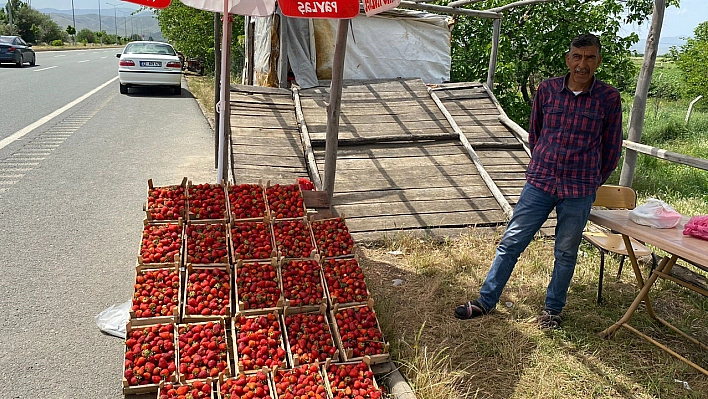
{"points": [[655, 213], [113, 320]]}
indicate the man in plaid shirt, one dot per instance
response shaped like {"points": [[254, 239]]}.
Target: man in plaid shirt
{"points": [[575, 137]]}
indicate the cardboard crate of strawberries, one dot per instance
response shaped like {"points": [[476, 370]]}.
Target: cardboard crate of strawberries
{"points": [[258, 342], [247, 202], [358, 335], [256, 385], [161, 244], [285, 201], [308, 337], [207, 293], [206, 202], [258, 287], [156, 295], [345, 284], [202, 351], [304, 381], [332, 237], [293, 238], [166, 203], [303, 287], [149, 358], [349, 380], [195, 390], [251, 240], [206, 244]]}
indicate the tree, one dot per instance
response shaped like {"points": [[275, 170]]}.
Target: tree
{"points": [[191, 31], [534, 40], [71, 31], [86, 35], [29, 23], [691, 59]]}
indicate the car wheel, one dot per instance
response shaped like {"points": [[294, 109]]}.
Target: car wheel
{"points": [[177, 90], [21, 62], [123, 89], [34, 60]]}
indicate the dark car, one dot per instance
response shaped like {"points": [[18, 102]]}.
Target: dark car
{"points": [[15, 50]]}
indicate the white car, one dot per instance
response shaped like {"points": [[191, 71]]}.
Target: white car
{"points": [[147, 63]]}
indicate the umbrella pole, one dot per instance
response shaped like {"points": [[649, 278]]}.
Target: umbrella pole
{"points": [[223, 101], [335, 100]]}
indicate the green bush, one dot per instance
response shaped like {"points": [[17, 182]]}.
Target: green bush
{"points": [[57, 43]]}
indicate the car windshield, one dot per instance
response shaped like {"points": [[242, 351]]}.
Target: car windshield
{"points": [[149, 48], [7, 39]]}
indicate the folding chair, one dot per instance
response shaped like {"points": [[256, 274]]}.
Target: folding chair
{"points": [[614, 197]]}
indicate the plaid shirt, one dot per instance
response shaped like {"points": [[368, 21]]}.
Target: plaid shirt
{"points": [[575, 141]]}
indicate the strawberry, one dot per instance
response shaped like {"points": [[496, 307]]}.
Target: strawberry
{"points": [[293, 238], [207, 243], [345, 281], [257, 285], [160, 243], [208, 292], [285, 202], [359, 331], [206, 201], [166, 203], [258, 342], [251, 240], [202, 349], [332, 237], [145, 348], [303, 382], [195, 390], [302, 283], [156, 292], [309, 337], [246, 201], [305, 184]]}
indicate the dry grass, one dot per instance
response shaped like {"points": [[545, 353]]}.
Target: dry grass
{"points": [[505, 355]]}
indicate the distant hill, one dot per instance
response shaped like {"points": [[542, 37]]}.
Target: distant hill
{"points": [[143, 23]]}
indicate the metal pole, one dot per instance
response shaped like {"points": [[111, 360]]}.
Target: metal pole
{"points": [[217, 85], [493, 56], [224, 91], [73, 18], [9, 11], [100, 29], [115, 19]]}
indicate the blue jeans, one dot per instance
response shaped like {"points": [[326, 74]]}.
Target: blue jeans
{"points": [[530, 212]]}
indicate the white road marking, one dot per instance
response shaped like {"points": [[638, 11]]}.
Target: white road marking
{"points": [[44, 69], [20, 133], [60, 55], [84, 61]]}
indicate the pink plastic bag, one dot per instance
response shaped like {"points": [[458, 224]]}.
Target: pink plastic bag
{"points": [[697, 227], [655, 213]]}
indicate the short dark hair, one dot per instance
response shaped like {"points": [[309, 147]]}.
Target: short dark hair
{"points": [[586, 40]]}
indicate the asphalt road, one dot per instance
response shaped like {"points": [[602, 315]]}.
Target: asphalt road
{"points": [[71, 195]]}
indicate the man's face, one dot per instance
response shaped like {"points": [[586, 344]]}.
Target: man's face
{"points": [[582, 62]]}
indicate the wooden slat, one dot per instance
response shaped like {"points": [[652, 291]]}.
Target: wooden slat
{"points": [[257, 150], [270, 160], [259, 89], [428, 233], [315, 118], [413, 194], [378, 183], [417, 207], [397, 222]]}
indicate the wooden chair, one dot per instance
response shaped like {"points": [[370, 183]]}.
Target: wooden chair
{"points": [[614, 197]]}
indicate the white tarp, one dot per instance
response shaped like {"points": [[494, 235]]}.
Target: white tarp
{"points": [[396, 43]]}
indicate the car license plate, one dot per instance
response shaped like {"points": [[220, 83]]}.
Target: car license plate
{"points": [[150, 63]]}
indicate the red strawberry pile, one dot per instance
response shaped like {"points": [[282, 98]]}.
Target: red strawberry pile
{"points": [[246, 201], [195, 390], [293, 238], [202, 350], [207, 201], [302, 283], [166, 203], [345, 281], [359, 331], [285, 201], [257, 285], [351, 380], [251, 240], [207, 243], [160, 243], [332, 237], [304, 382], [309, 337], [208, 292], [305, 184], [150, 355], [258, 342], [253, 386], [156, 292]]}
